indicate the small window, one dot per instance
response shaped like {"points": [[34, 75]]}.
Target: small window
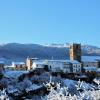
{"points": [[50, 66]]}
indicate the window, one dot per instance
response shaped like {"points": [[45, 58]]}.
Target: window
{"points": [[50, 66]]}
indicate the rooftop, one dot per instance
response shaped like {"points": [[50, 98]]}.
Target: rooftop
{"points": [[73, 61], [91, 68], [18, 63]]}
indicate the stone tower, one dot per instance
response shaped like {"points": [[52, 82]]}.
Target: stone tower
{"points": [[75, 52], [29, 63]]}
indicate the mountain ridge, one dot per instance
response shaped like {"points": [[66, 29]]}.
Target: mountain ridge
{"points": [[20, 51]]}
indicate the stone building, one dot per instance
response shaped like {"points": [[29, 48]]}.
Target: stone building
{"points": [[75, 52], [19, 66], [29, 62]]}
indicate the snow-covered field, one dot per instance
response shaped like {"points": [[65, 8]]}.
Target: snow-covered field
{"points": [[64, 89], [62, 94]]}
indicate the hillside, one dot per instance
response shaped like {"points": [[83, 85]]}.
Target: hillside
{"points": [[15, 51]]}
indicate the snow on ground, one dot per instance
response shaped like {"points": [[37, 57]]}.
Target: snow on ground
{"points": [[33, 87], [69, 82], [62, 93], [14, 74], [82, 85], [70, 90]]}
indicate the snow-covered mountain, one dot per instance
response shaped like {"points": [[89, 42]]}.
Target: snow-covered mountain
{"points": [[91, 49], [57, 45], [17, 51]]}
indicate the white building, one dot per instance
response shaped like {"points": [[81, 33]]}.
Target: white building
{"points": [[75, 66], [89, 61], [55, 65], [66, 66], [38, 64]]}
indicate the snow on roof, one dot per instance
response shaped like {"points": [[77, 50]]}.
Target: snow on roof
{"points": [[33, 87], [8, 66], [39, 62], [55, 60], [91, 68], [43, 62], [18, 63], [14, 74], [73, 61], [65, 61]]}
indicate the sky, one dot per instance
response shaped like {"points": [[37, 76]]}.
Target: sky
{"points": [[50, 21]]}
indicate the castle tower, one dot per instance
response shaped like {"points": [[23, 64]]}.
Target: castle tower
{"points": [[75, 52], [29, 63]]}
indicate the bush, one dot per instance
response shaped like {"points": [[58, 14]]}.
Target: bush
{"points": [[1, 76]]}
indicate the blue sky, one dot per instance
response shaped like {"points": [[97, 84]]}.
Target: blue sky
{"points": [[50, 21]]}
